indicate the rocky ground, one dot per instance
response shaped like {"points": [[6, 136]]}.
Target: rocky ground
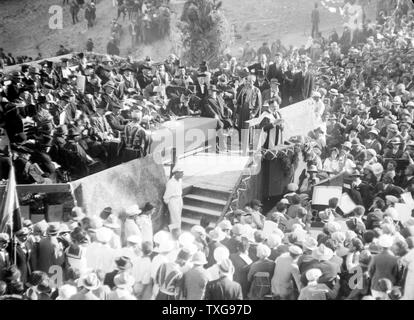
{"points": [[24, 26]]}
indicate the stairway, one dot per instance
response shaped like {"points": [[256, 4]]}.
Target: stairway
{"points": [[203, 201]]}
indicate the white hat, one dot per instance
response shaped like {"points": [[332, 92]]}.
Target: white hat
{"points": [[292, 187], [393, 213], [162, 236], [134, 239], [103, 235], [385, 241], [177, 168], [225, 225], [185, 238], [133, 210], [66, 291], [112, 222], [198, 229], [313, 274], [90, 281], [295, 250], [190, 247], [310, 244], [220, 254], [316, 94], [262, 251], [322, 253], [124, 280], [165, 246], [217, 235], [391, 198], [372, 152], [284, 201], [199, 259], [274, 240]]}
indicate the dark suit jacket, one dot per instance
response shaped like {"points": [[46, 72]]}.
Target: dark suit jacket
{"points": [[109, 279], [257, 66], [240, 273], [22, 261], [384, 265], [275, 73], [267, 95], [223, 289], [390, 190], [117, 123], [302, 86]]}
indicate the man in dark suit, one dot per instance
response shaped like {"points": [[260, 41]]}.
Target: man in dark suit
{"points": [[386, 187], [122, 265], [184, 104], [275, 70], [273, 92], [202, 86], [241, 262], [261, 65], [115, 120], [224, 288], [261, 81], [303, 83], [215, 107], [23, 254]]}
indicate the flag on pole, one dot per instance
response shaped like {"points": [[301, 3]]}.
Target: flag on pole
{"points": [[10, 210]]}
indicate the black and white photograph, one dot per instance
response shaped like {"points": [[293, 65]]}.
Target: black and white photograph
{"points": [[206, 150]]}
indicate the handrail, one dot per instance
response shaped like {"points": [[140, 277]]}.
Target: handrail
{"points": [[236, 188]]}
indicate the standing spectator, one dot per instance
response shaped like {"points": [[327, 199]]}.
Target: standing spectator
{"points": [[112, 48], [173, 197], [87, 285], [196, 279], [74, 10], [384, 265], [315, 21], [224, 288], [89, 45], [4, 255], [285, 281], [241, 262], [50, 251], [169, 277], [90, 14]]}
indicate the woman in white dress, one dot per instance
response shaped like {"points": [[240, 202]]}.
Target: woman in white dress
{"points": [[331, 164]]}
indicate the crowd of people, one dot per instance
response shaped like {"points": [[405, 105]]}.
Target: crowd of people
{"points": [[360, 85]]}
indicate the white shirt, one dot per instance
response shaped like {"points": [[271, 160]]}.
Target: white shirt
{"points": [[174, 189], [141, 269], [100, 257], [131, 229], [144, 223]]}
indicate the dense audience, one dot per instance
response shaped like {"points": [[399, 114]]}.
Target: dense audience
{"points": [[361, 84]]}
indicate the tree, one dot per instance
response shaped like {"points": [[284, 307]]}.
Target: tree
{"points": [[205, 32]]}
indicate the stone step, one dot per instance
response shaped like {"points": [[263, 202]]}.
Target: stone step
{"points": [[211, 192], [197, 212], [187, 222], [204, 202]]}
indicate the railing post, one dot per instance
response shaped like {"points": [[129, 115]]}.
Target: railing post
{"points": [[173, 160]]}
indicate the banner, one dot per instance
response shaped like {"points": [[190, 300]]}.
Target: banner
{"points": [[10, 209], [299, 119]]}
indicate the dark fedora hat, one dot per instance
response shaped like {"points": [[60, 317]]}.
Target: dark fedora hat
{"points": [[147, 208], [123, 263]]}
